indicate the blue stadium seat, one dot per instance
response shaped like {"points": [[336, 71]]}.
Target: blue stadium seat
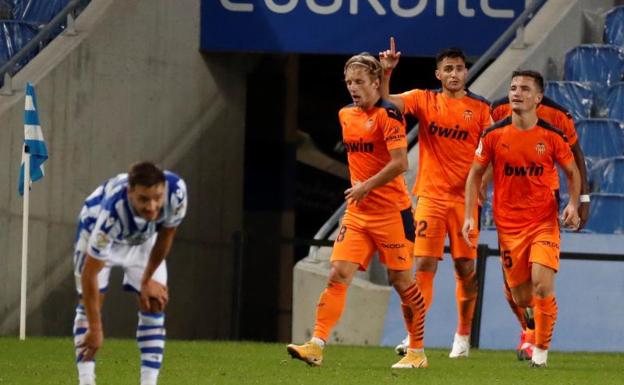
{"points": [[614, 27], [577, 97], [599, 63], [14, 35], [615, 101], [606, 213], [37, 11], [609, 175], [601, 138]]}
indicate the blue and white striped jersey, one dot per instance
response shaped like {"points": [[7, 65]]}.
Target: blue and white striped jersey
{"points": [[108, 217]]}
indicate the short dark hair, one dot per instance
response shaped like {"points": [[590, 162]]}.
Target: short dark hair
{"points": [[145, 174], [452, 52], [536, 76]]}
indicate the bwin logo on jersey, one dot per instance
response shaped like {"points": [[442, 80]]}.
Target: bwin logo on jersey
{"points": [[445, 132], [359, 146], [532, 170]]}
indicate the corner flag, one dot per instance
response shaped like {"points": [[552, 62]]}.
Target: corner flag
{"points": [[33, 140]]}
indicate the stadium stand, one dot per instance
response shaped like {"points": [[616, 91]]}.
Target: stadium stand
{"points": [[615, 101], [614, 26], [600, 138], [609, 173], [605, 213], [597, 65], [601, 63], [21, 20], [577, 97]]}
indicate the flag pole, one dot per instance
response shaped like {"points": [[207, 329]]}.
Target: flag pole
{"points": [[22, 335]]}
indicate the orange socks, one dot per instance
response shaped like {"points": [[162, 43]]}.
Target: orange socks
{"points": [[424, 279], [414, 315], [517, 310], [329, 308], [466, 294], [545, 313]]}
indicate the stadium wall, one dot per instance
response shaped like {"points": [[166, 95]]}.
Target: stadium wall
{"points": [[131, 85]]}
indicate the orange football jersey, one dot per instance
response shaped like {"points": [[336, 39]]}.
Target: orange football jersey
{"points": [[549, 111], [449, 131], [523, 162], [368, 137]]}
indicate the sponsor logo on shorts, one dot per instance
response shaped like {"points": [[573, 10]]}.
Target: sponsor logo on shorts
{"points": [[554, 245], [393, 245]]}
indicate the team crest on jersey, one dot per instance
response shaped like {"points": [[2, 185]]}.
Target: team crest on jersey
{"points": [[468, 115], [369, 124], [540, 148]]}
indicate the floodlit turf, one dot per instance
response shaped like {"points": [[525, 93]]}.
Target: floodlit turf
{"points": [[45, 361]]}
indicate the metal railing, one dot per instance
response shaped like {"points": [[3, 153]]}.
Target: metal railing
{"points": [[517, 27], [66, 15]]}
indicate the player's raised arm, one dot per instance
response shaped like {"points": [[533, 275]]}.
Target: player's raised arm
{"points": [[473, 183], [389, 60]]}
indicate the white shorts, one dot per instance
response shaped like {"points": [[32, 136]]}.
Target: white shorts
{"points": [[132, 259]]}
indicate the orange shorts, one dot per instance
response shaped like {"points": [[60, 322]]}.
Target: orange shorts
{"points": [[538, 244], [435, 219], [360, 235]]}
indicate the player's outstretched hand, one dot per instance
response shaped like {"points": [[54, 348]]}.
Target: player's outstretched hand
{"points": [[467, 229], [390, 57], [91, 343], [570, 217], [154, 291]]}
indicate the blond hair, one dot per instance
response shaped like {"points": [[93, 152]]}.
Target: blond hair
{"points": [[367, 62]]}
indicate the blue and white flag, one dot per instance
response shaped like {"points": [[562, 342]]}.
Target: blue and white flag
{"points": [[33, 140]]}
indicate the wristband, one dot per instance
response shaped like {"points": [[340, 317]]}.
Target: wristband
{"points": [[584, 198], [388, 72]]}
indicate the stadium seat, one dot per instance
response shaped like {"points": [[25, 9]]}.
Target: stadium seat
{"points": [[606, 213], [609, 175], [615, 101], [601, 138], [614, 27], [599, 63], [577, 97], [39, 12], [13, 36]]}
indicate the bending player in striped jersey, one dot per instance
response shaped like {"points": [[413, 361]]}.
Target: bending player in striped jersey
{"points": [[129, 221], [557, 116], [523, 150], [451, 120]]}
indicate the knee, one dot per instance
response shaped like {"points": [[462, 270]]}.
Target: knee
{"points": [[464, 267], [340, 276], [401, 282], [542, 289]]}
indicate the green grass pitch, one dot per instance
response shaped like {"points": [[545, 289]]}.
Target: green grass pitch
{"points": [[44, 361]]}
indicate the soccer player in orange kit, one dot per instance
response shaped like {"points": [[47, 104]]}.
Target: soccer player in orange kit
{"points": [[378, 216], [558, 116], [451, 121], [523, 150]]}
